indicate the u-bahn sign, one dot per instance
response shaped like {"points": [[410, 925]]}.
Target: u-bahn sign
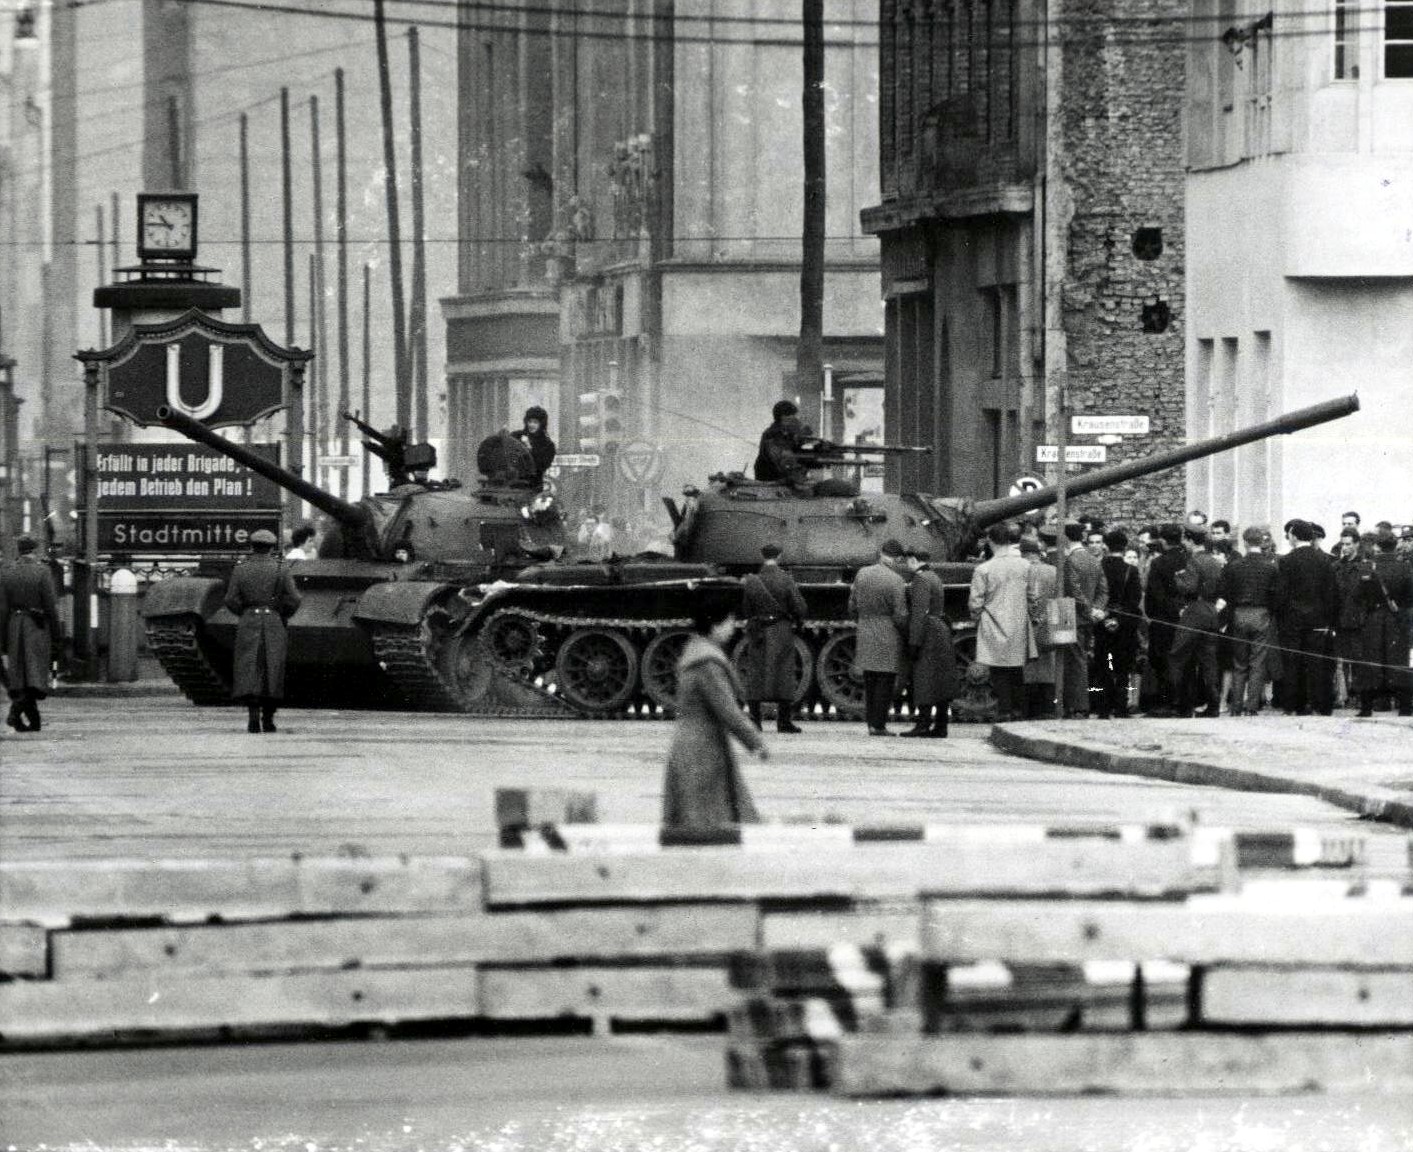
{"points": [[214, 371]]}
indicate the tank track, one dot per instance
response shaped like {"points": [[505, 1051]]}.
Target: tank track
{"points": [[640, 631], [404, 655], [175, 643]]}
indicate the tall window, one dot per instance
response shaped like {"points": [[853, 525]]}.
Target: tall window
{"points": [[1346, 40], [1398, 39]]}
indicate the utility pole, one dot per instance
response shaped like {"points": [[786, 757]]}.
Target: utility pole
{"points": [[100, 261], [287, 199], [341, 240], [367, 408], [317, 347], [399, 317], [177, 161], [418, 317], [318, 317], [809, 354], [244, 218]]}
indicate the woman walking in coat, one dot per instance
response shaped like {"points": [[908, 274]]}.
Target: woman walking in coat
{"points": [[29, 633], [935, 683], [703, 788], [261, 596]]}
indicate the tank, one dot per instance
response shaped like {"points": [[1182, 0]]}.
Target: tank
{"points": [[604, 638], [381, 622]]}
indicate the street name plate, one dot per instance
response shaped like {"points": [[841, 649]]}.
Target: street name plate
{"points": [[338, 461], [577, 460], [1074, 454], [1121, 425]]}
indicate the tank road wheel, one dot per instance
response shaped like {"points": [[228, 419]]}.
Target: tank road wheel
{"points": [[804, 665], [464, 669], [513, 641], [660, 666], [597, 670], [840, 683]]}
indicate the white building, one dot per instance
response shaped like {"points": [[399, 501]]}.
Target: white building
{"points": [[1300, 253]]}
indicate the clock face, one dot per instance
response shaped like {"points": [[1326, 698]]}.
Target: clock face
{"points": [[168, 225]]}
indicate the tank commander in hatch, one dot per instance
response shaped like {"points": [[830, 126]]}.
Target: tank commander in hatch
{"points": [[776, 459], [535, 438]]}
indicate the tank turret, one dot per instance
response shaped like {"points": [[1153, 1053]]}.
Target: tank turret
{"points": [[825, 529], [418, 520]]}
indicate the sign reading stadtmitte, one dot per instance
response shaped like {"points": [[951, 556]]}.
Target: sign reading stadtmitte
{"points": [[181, 499]]}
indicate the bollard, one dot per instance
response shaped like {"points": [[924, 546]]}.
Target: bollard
{"points": [[122, 627]]}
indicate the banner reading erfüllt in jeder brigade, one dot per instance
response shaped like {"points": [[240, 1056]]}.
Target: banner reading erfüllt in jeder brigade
{"points": [[181, 499]]}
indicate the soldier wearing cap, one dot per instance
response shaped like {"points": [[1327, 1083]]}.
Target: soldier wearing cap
{"points": [[772, 607], [776, 459], [262, 596], [879, 602], [29, 633]]}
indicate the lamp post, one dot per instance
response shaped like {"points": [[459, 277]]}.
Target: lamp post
{"points": [[11, 474]]}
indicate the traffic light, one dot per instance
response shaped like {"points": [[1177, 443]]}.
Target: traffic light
{"points": [[600, 420]]}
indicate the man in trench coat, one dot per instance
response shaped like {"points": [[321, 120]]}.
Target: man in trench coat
{"points": [[261, 596], [1000, 603], [879, 602], [29, 633], [772, 607]]}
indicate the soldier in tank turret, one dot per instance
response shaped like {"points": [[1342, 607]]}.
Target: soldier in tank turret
{"points": [[779, 443], [535, 437], [772, 607]]}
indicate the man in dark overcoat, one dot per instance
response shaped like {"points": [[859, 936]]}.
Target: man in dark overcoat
{"points": [[1116, 636], [1307, 616], [1386, 591], [1163, 605], [261, 596], [29, 633], [1084, 580], [772, 607], [935, 683], [878, 600]]}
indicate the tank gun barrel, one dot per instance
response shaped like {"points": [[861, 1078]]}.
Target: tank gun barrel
{"points": [[341, 510], [827, 454], [366, 428], [988, 512]]}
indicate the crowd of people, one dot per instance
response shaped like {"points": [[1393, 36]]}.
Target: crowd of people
{"points": [[1195, 619]]}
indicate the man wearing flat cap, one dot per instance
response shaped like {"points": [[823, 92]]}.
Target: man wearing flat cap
{"points": [[772, 607], [29, 633], [261, 596], [879, 602]]}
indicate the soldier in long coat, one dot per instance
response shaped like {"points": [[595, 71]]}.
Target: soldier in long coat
{"points": [[261, 596], [1386, 591], [772, 608], [703, 787], [878, 600], [934, 680], [29, 632], [1000, 603]]}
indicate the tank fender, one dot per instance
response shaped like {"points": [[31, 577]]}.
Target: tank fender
{"points": [[184, 595], [399, 602]]}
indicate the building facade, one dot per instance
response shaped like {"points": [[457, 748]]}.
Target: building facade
{"points": [[1300, 253], [631, 200], [1032, 228]]}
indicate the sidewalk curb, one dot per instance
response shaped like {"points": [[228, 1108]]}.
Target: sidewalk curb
{"points": [[1367, 800]]}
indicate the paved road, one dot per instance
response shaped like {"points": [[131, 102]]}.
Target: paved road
{"points": [[159, 778], [622, 1095]]}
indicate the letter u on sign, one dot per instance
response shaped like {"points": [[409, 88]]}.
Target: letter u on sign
{"points": [[214, 379]]}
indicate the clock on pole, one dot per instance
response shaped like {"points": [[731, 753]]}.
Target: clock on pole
{"points": [[166, 226]]}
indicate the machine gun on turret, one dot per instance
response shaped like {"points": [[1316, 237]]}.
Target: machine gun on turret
{"points": [[403, 462], [816, 453]]}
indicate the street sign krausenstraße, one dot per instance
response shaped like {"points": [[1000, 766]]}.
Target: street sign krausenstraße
{"points": [[1074, 454], [1123, 425]]}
